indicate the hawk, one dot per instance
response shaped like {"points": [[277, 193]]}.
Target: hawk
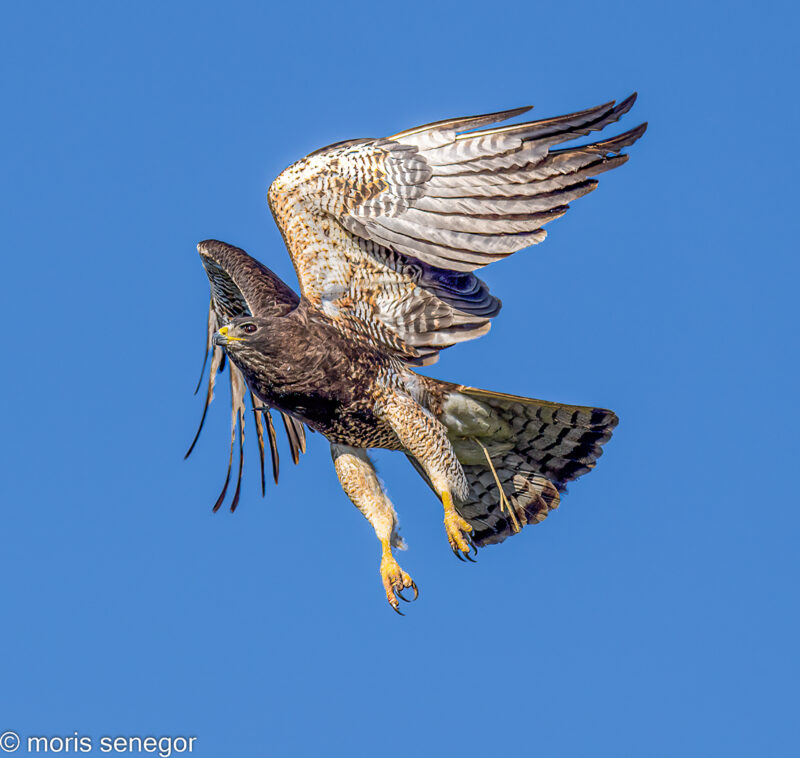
{"points": [[385, 236]]}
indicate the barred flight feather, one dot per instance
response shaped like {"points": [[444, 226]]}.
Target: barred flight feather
{"points": [[240, 285], [445, 195], [535, 447]]}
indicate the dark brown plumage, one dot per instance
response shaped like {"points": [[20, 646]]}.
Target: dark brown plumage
{"points": [[303, 365]]}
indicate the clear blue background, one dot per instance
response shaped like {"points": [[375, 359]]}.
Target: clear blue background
{"points": [[654, 615]]}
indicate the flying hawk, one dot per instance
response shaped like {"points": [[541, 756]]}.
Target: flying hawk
{"points": [[385, 236]]}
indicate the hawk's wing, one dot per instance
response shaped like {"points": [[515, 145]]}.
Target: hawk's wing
{"points": [[242, 286], [385, 233]]}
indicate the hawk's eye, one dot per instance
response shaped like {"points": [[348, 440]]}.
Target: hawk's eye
{"points": [[249, 328]]}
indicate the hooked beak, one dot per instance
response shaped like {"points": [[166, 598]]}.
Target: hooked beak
{"points": [[223, 338]]}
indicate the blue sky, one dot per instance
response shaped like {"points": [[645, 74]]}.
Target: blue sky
{"points": [[655, 614]]}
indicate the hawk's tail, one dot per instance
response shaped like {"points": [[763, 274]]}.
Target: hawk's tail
{"points": [[518, 454]]}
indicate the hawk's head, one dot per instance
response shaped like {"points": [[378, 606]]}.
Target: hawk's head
{"points": [[248, 338], [241, 332], [268, 350], [253, 344]]}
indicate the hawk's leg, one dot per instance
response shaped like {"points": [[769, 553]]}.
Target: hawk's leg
{"points": [[426, 439], [360, 481]]}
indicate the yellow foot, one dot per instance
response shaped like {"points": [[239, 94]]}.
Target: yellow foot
{"points": [[395, 580], [458, 530]]}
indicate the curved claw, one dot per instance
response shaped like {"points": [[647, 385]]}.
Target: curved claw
{"points": [[399, 592], [458, 530], [395, 581], [457, 554], [470, 558]]}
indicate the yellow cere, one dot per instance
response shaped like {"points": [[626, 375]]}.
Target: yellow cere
{"points": [[224, 332]]}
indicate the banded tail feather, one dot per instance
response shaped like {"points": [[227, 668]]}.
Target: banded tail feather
{"points": [[518, 454]]}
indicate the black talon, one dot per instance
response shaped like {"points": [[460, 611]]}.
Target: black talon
{"points": [[413, 587], [457, 554], [470, 558], [397, 610]]}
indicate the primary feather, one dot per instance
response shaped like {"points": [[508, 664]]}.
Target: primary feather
{"points": [[390, 231]]}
